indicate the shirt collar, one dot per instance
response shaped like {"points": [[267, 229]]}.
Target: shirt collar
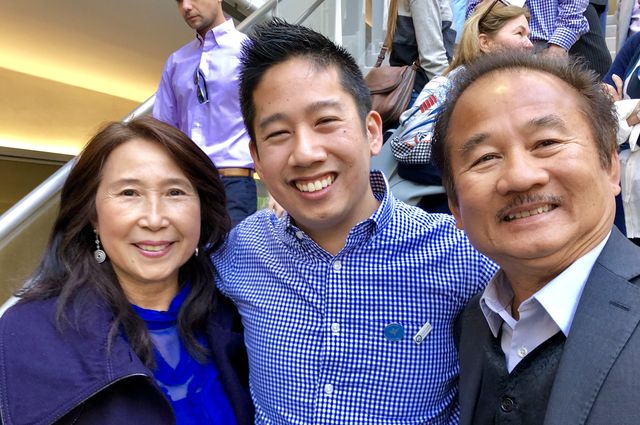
{"points": [[559, 297], [217, 34], [495, 300], [380, 187]]}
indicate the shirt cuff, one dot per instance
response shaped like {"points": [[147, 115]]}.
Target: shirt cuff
{"points": [[564, 38]]}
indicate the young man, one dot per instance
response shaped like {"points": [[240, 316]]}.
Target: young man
{"points": [[348, 301], [528, 152], [198, 94]]}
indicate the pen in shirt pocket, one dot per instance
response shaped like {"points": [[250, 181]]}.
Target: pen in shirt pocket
{"points": [[422, 333]]}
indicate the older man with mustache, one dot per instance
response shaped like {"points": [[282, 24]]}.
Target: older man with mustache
{"points": [[528, 151]]}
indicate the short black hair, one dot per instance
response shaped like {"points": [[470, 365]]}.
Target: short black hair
{"points": [[597, 105], [277, 41]]}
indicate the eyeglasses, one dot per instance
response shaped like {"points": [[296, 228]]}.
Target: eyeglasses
{"points": [[201, 86], [516, 3]]}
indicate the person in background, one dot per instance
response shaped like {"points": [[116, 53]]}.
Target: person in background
{"points": [[348, 299], [198, 94], [602, 9], [555, 24], [121, 323], [628, 21], [592, 45], [624, 86], [528, 154], [491, 28], [622, 77], [459, 11], [421, 30], [566, 27]]}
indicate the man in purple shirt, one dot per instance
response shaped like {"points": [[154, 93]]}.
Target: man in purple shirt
{"points": [[198, 94]]}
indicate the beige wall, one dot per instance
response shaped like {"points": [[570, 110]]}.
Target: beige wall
{"points": [[36, 112]]}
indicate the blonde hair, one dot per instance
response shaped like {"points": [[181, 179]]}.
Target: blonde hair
{"points": [[468, 49], [392, 18]]}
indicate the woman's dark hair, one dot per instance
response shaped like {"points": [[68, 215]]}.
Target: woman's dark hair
{"points": [[68, 269]]}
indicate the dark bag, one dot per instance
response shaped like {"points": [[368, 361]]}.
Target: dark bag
{"points": [[427, 174], [390, 88]]}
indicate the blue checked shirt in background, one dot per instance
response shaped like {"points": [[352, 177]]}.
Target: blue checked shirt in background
{"points": [[558, 22], [315, 323]]}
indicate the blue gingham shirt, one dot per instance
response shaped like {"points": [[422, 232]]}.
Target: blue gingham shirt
{"points": [[315, 323], [558, 22]]}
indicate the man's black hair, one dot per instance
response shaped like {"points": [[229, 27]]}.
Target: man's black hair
{"points": [[277, 41]]}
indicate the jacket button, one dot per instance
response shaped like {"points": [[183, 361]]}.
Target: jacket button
{"points": [[507, 404]]}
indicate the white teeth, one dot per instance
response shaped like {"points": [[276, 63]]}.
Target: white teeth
{"points": [[152, 248], [315, 185], [524, 214]]}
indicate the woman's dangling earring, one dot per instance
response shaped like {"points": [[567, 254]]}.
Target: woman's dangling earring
{"points": [[196, 253], [98, 254]]}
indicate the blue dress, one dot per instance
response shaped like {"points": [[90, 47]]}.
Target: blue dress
{"points": [[194, 389]]}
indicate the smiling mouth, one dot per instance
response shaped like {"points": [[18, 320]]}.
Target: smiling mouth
{"points": [[153, 248], [315, 185], [528, 213]]}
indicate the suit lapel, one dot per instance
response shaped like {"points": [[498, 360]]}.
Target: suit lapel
{"points": [[607, 315], [474, 337]]}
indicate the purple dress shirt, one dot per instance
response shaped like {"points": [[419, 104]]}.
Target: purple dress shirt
{"points": [[559, 22], [216, 126]]}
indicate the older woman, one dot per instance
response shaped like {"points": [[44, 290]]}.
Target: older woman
{"points": [[494, 26], [121, 322]]}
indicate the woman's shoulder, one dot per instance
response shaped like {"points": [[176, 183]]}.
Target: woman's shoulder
{"points": [[85, 308], [29, 327], [36, 325], [23, 314]]}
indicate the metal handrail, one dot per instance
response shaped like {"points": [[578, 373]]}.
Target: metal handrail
{"points": [[309, 11], [35, 199], [28, 205], [251, 20]]}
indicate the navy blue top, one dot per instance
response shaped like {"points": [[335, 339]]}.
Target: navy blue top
{"points": [[194, 389], [626, 63]]}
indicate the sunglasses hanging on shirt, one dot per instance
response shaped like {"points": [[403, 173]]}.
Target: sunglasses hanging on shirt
{"points": [[201, 86]]}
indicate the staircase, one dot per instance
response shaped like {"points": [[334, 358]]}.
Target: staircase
{"points": [[610, 34], [25, 227]]}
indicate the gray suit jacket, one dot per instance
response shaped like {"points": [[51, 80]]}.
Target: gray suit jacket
{"points": [[598, 379]]}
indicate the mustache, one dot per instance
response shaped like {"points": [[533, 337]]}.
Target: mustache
{"points": [[528, 198]]}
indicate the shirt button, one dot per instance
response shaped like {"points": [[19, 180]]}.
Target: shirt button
{"points": [[507, 404], [335, 328], [337, 265], [522, 352], [299, 234], [328, 389]]}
